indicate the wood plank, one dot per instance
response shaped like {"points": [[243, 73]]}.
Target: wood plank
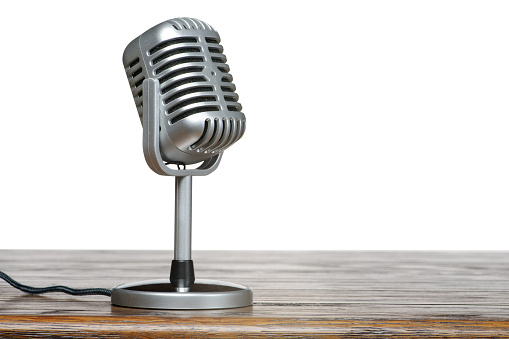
{"points": [[356, 294], [226, 327]]}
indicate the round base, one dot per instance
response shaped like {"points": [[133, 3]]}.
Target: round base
{"points": [[160, 294]]}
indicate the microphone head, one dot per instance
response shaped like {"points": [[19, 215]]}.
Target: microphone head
{"points": [[200, 115]]}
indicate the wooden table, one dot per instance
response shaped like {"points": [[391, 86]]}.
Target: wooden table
{"points": [[296, 294]]}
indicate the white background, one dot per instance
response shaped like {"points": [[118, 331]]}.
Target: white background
{"points": [[371, 125]]}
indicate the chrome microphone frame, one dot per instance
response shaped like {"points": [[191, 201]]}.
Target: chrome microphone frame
{"points": [[161, 293]]}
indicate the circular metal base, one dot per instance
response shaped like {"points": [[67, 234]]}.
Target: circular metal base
{"points": [[160, 294]]}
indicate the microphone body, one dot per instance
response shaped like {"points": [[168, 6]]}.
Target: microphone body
{"points": [[199, 112]]}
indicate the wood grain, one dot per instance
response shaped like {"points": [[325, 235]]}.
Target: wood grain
{"points": [[296, 294]]}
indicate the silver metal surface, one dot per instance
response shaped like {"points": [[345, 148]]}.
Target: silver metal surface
{"points": [[160, 294], [183, 217], [199, 111]]}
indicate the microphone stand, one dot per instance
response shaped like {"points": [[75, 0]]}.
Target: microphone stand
{"points": [[181, 291]]}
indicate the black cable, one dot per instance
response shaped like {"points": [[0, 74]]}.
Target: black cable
{"points": [[64, 289]]}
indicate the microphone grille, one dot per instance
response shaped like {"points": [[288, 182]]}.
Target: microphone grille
{"points": [[182, 66], [186, 57]]}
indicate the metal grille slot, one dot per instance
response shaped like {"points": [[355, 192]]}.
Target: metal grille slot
{"points": [[219, 60], [194, 111], [188, 91], [139, 83], [232, 98], [230, 88], [182, 82], [174, 52], [190, 102], [216, 50], [170, 42], [211, 40], [227, 78], [178, 62], [180, 72], [224, 69], [134, 62], [135, 73]]}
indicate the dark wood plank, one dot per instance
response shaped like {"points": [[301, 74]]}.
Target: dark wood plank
{"points": [[297, 294]]}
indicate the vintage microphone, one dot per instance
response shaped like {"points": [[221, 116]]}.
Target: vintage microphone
{"points": [[190, 114]]}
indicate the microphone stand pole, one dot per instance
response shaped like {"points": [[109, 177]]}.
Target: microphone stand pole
{"points": [[182, 270]]}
